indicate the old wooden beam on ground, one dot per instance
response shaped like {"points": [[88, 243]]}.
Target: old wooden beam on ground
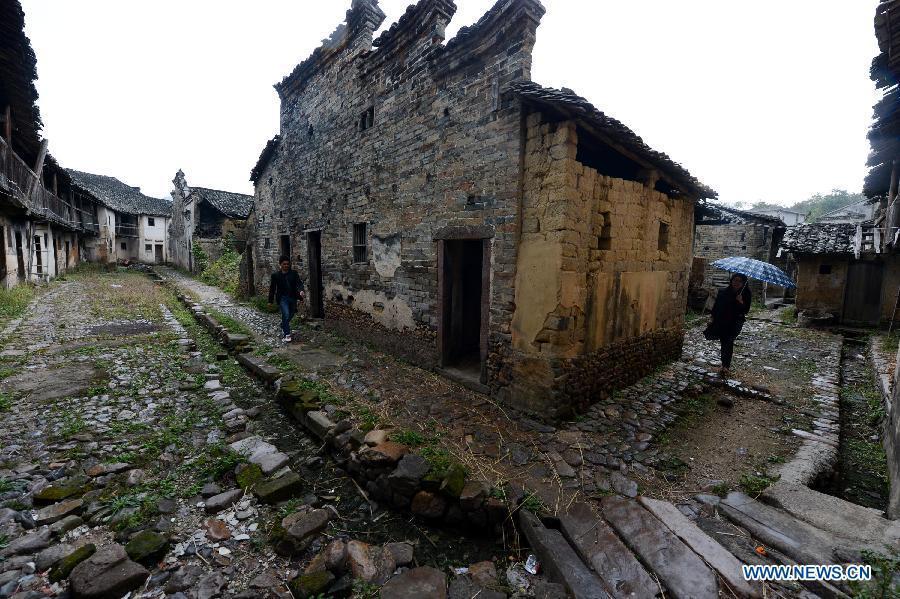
{"points": [[599, 546], [559, 560], [728, 566], [681, 570]]}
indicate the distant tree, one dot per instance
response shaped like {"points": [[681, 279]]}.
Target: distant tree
{"points": [[819, 204]]}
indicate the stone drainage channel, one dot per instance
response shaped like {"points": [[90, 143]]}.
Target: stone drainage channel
{"points": [[860, 473]]}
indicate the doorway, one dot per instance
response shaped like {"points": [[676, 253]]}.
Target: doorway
{"points": [[251, 283], [3, 254], [38, 254], [463, 286], [159, 253], [285, 245], [862, 298], [314, 255], [20, 256], [66, 257]]}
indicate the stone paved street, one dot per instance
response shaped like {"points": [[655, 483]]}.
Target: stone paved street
{"points": [[121, 466], [612, 447]]}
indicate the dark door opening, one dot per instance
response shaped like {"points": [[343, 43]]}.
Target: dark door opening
{"points": [[38, 255], [862, 299], [315, 288], [20, 256], [285, 245], [159, 253], [462, 307], [251, 283], [2, 253], [66, 257]]}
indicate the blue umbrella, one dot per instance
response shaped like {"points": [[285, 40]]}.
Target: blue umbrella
{"points": [[755, 269]]}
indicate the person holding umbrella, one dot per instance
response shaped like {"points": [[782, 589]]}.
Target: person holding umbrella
{"points": [[728, 316], [733, 302]]}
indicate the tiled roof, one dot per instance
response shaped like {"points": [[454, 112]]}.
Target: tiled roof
{"points": [[264, 157], [820, 238], [571, 103], [232, 205], [18, 71], [119, 196], [709, 211]]}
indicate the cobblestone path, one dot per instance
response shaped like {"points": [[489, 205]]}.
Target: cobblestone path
{"points": [[634, 436], [127, 452]]}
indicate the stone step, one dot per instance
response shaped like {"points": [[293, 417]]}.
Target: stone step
{"points": [[600, 548], [681, 571], [559, 560], [728, 566]]}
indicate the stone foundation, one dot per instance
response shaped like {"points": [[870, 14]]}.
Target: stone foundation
{"points": [[417, 346], [578, 382]]}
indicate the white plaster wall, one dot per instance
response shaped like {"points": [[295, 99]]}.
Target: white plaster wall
{"points": [[153, 236], [392, 313]]}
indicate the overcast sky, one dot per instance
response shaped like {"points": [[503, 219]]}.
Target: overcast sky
{"points": [[762, 100]]}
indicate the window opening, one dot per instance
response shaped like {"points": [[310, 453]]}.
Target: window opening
{"points": [[605, 240], [151, 222], [360, 243], [367, 119], [663, 239], [824, 269]]}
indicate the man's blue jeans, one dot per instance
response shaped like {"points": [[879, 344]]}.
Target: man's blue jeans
{"points": [[288, 310]]}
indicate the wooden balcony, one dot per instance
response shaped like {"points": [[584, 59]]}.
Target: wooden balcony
{"points": [[26, 188]]}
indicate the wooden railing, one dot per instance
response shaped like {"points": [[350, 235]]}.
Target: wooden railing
{"points": [[30, 190], [126, 230]]}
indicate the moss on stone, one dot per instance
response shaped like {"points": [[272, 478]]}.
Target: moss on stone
{"points": [[249, 476], [454, 480], [146, 545], [68, 563], [311, 585], [74, 486]]}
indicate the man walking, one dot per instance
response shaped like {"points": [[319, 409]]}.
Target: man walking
{"points": [[286, 288]]}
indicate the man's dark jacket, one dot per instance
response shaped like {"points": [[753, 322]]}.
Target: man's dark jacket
{"points": [[727, 314], [284, 284]]}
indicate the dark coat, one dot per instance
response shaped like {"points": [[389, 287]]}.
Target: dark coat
{"points": [[285, 284], [728, 315]]}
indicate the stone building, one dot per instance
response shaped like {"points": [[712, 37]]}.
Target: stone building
{"points": [[43, 225], [788, 217], [206, 219], [843, 270], [857, 212], [721, 232], [446, 208], [132, 226]]}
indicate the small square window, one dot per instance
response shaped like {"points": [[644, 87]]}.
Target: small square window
{"points": [[604, 242], [662, 243], [367, 119], [360, 243], [123, 246], [148, 248], [151, 222], [824, 269]]}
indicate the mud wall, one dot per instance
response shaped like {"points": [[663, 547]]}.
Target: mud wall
{"points": [[603, 261], [821, 282]]}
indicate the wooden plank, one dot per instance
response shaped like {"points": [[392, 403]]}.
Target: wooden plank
{"points": [[681, 570], [599, 546], [796, 539], [560, 561], [728, 566]]}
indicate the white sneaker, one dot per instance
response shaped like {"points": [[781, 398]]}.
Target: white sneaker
{"points": [[287, 339]]}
